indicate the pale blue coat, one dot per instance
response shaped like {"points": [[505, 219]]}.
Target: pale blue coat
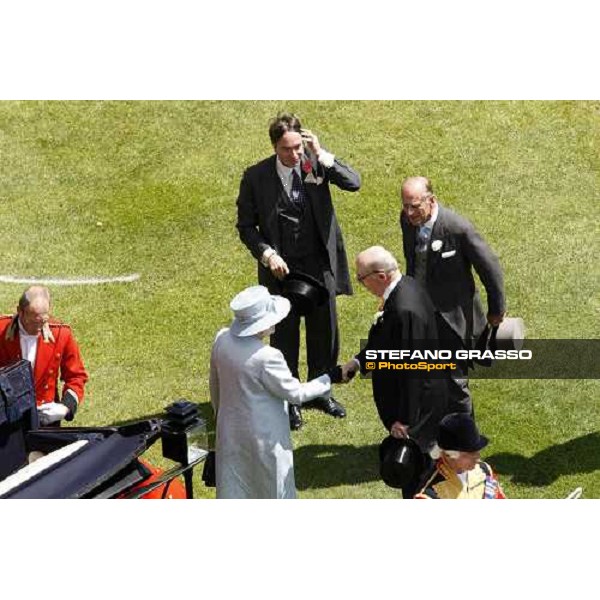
{"points": [[250, 387]]}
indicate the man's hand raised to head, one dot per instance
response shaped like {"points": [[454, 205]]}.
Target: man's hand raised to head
{"points": [[311, 141]]}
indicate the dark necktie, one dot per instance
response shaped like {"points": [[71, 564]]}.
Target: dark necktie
{"points": [[297, 196]]}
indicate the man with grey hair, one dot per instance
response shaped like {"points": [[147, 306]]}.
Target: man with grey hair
{"points": [[52, 351], [408, 404], [441, 248]]}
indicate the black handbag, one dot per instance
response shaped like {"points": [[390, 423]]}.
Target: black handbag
{"points": [[209, 476]]}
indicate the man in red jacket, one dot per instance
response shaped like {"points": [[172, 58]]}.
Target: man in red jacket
{"points": [[52, 351]]}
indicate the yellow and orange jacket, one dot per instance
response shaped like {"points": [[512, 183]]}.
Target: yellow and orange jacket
{"points": [[444, 483]]}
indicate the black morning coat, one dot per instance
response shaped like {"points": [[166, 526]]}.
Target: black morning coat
{"points": [[414, 398], [259, 204]]}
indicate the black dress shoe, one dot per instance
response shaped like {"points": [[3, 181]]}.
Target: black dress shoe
{"points": [[327, 405], [295, 415]]}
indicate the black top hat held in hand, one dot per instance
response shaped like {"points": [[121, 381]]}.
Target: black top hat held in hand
{"points": [[400, 461], [304, 292]]}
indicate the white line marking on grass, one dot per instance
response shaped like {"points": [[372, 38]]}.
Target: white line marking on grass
{"points": [[73, 281]]}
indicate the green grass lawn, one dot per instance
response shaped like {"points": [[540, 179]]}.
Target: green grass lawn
{"points": [[109, 188]]}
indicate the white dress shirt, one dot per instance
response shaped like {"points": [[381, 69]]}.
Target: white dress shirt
{"points": [[429, 224], [29, 345], [390, 288], [285, 174]]}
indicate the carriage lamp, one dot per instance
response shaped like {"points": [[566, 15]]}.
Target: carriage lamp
{"points": [[184, 437]]}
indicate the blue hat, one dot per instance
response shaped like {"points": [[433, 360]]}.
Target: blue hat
{"points": [[256, 310], [458, 431]]}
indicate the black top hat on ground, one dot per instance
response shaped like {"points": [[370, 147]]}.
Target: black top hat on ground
{"points": [[458, 431], [400, 461], [303, 291]]}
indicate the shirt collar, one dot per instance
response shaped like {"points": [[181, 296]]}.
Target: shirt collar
{"points": [[391, 287], [22, 331], [434, 215], [283, 171]]}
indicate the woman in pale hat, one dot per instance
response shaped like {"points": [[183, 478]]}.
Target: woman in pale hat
{"points": [[250, 388], [459, 473]]}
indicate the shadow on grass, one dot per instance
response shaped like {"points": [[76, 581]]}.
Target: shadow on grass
{"points": [[323, 466], [204, 408], [577, 456]]}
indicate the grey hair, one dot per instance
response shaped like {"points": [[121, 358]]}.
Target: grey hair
{"points": [[382, 259], [425, 182], [266, 332], [436, 452], [31, 294]]}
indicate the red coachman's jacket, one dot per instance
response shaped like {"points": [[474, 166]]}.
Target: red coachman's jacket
{"points": [[57, 355]]}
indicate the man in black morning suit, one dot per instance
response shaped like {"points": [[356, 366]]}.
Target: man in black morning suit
{"points": [[440, 248], [287, 221], [409, 404]]}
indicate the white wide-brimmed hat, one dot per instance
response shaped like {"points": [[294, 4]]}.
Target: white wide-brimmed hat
{"points": [[256, 310]]}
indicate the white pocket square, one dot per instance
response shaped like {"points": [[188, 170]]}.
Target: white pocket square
{"points": [[310, 178], [448, 254]]}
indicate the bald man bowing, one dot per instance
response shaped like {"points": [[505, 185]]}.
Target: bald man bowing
{"points": [[409, 405]]}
